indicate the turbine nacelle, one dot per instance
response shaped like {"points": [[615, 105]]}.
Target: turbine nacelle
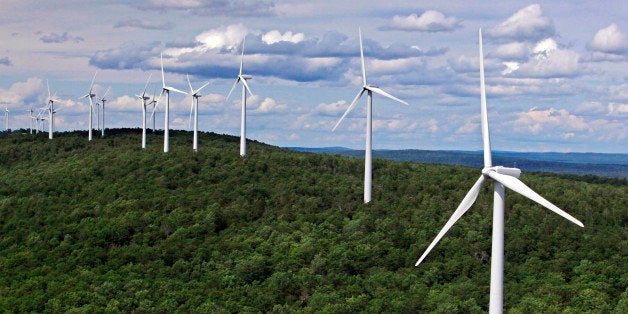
{"points": [[245, 77], [513, 172]]}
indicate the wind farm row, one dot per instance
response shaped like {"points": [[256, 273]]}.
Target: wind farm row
{"points": [[503, 177]]}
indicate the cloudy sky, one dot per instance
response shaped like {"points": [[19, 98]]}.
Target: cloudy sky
{"points": [[556, 71]]}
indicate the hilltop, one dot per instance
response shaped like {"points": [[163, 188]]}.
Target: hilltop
{"points": [[105, 226]]}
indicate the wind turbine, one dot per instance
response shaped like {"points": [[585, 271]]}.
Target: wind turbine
{"points": [[103, 100], [91, 96], [30, 120], [369, 89], [166, 89], [195, 95], [503, 177], [245, 88], [144, 98], [154, 102], [6, 119], [51, 111]]}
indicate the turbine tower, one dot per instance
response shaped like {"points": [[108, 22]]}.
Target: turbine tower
{"points": [[166, 89], [103, 100], [30, 120], [6, 119], [369, 89], [245, 88], [144, 98], [194, 107], [502, 177], [51, 111], [91, 96]]}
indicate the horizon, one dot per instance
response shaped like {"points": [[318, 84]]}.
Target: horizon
{"points": [[555, 72]]}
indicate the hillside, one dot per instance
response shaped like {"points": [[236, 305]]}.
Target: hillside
{"points": [[104, 226]]}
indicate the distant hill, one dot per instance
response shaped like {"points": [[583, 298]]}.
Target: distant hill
{"points": [[606, 165], [104, 226]]}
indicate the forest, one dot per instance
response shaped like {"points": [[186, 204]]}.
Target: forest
{"points": [[104, 226]]}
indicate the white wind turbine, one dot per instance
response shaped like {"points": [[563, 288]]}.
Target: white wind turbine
{"points": [[166, 89], [6, 119], [30, 120], [154, 102], [144, 98], [102, 101], [502, 177], [369, 89], [91, 96], [194, 107], [245, 88], [51, 111]]}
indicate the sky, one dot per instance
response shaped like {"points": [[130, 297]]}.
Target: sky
{"points": [[556, 71]]}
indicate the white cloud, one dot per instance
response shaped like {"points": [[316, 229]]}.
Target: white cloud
{"points": [[610, 40], [528, 23], [591, 108], [275, 36], [270, 105], [30, 92], [619, 92], [332, 109], [617, 109], [549, 61], [513, 50], [429, 21], [549, 120], [228, 37]]}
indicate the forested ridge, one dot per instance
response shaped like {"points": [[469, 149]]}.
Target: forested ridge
{"points": [[105, 226]]}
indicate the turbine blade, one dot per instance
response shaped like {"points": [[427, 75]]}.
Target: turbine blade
{"points": [[146, 86], [362, 58], [520, 187], [232, 88], [247, 87], [242, 57], [199, 89], [91, 86], [190, 84], [355, 101], [466, 203], [488, 162], [172, 89], [105, 94], [48, 88], [163, 77], [383, 93]]}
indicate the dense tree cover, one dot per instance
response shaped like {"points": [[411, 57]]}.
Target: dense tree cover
{"points": [[105, 226]]}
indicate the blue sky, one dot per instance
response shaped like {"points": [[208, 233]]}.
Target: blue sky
{"points": [[556, 70]]}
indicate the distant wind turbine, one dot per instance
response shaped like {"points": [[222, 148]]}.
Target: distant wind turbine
{"points": [[154, 102], [51, 111], [245, 88], [503, 177], [6, 119], [144, 98], [166, 89], [102, 101], [194, 107], [91, 96], [369, 89], [30, 120]]}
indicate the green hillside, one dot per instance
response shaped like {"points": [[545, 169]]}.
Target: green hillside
{"points": [[105, 226]]}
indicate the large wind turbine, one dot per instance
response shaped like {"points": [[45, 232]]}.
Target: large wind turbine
{"points": [[144, 98], [245, 88], [103, 100], [502, 177], [51, 111], [166, 89], [30, 119], [368, 175], [194, 107], [91, 96]]}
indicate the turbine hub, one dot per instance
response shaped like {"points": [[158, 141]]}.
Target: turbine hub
{"points": [[513, 172]]}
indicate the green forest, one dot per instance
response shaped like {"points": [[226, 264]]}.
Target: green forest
{"points": [[104, 226]]}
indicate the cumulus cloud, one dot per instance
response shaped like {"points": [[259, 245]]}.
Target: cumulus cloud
{"points": [[331, 109], [429, 21], [256, 8], [269, 105], [137, 23], [528, 23], [6, 61], [549, 120], [275, 36], [57, 39], [609, 44], [29, 92], [617, 109], [548, 61], [512, 51]]}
